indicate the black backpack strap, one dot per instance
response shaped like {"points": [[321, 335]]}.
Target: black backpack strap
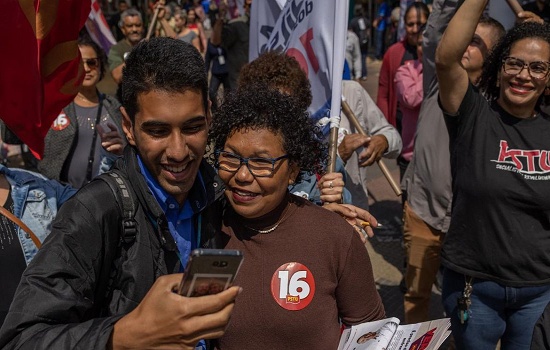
{"points": [[124, 195], [126, 201]]}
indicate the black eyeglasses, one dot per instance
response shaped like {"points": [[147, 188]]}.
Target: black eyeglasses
{"points": [[91, 62], [537, 69], [259, 167]]}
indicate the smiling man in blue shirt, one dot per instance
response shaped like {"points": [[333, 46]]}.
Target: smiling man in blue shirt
{"points": [[86, 290]]}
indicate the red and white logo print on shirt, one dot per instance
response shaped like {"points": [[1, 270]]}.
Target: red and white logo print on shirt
{"points": [[293, 286], [61, 122]]}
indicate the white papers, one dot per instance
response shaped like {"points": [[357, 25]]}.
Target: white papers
{"points": [[387, 334]]}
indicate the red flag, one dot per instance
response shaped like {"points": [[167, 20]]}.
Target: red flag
{"points": [[40, 64]]}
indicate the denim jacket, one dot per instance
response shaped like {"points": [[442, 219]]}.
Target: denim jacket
{"points": [[36, 200]]}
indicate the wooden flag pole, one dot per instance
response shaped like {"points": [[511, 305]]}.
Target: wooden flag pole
{"points": [[153, 22], [355, 122], [333, 150]]}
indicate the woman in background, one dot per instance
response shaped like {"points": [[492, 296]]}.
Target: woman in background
{"points": [[410, 93], [87, 133], [185, 33], [416, 17], [194, 23]]}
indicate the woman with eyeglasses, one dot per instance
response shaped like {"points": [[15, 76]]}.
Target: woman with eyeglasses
{"points": [[87, 133], [496, 253], [305, 268]]}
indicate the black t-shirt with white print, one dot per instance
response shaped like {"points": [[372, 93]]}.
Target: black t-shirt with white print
{"points": [[500, 226]]}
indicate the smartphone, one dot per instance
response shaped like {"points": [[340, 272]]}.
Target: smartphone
{"points": [[210, 271]]}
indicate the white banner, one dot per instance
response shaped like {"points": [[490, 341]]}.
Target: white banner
{"points": [[313, 32]]}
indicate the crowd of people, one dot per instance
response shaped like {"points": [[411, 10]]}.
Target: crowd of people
{"points": [[129, 185]]}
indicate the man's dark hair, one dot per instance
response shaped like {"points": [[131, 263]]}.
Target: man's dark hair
{"points": [[493, 64], [162, 64], [259, 106], [85, 40], [497, 29], [278, 71]]}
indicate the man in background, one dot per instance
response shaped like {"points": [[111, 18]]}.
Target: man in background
{"points": [[131, 25]]}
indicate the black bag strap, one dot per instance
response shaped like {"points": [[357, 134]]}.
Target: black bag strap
{"points": [[124, 195], [125, 198]]}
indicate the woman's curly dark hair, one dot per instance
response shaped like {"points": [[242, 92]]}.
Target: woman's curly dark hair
{"points": [[260, 107], [488, 82], [278, 71]]}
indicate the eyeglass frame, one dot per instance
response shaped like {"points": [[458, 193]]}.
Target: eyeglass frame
{"points": [[96, 59], [243, 160], [528, 65]]}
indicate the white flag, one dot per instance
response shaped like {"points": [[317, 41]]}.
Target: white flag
{"points": [[99, 29], [313, 32]]}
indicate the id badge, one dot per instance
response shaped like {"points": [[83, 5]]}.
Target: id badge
{"points": [[221, 60]]}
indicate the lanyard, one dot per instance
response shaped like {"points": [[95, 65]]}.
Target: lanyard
{"points": [[91, 157]]}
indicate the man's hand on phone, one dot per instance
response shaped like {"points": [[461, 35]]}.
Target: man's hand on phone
{"points": [[165, 319]]}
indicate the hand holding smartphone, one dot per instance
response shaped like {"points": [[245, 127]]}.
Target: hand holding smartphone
{"points": [[210, 271]]}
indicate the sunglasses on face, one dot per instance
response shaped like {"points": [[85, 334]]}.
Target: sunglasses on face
{"points": [[91, 62]]}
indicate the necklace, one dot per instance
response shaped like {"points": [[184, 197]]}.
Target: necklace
{"points": [[264, 231], [269, 230], [86, 102]]}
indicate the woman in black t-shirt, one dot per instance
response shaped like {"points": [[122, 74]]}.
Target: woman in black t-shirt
{"points": [[496, 253]]}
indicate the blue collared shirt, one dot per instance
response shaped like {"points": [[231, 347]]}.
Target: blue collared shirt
{"points": [[180, 220]]}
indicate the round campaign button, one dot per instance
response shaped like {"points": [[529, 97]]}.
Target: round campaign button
{"points": [[61, 122], [293, 286]]}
